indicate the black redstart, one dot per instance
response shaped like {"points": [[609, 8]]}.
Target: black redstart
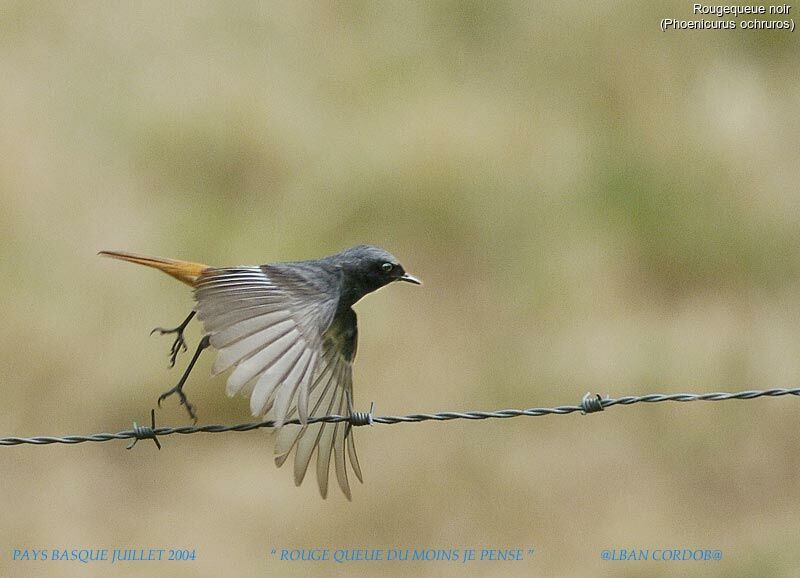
{"points": [[289, 332]]}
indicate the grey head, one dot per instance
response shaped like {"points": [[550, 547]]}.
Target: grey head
{"points": [[366, 268]]}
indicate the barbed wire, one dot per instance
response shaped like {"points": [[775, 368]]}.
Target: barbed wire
{"points": [[590, 403]]}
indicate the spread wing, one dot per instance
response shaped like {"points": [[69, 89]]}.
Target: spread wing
{"points": [[277, 327]]}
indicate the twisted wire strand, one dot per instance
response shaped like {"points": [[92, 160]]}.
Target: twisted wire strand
{"points": [[589, 404]]}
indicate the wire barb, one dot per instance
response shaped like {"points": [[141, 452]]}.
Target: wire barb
{"points": [[142, 432], [362, 417], [589, 404]]}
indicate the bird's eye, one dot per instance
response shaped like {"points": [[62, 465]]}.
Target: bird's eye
{"points": [[387, 267]]}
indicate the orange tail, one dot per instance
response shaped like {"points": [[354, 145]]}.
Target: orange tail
{"points": [[185, 271]]}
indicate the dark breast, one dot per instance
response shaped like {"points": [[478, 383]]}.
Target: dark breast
{"points": [[342, 335]]}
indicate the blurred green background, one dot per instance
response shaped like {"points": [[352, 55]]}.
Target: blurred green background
{"points": [[594, 205]]}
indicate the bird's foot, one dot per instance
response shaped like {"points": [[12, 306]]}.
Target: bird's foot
{"points": [[178, 390], [179, 343]]}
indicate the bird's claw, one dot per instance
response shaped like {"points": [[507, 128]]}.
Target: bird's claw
{"points": [[177, 345], [183, 399]]}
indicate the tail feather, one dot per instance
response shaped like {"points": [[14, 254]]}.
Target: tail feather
{"points": [[184, 271]]}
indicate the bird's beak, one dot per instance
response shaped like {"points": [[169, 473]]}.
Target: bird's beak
{"points": [[410, 279]]}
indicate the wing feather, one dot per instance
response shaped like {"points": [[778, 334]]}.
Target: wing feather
{"points": [[224, 318], [252, 367], [289, 434], [294, 380], [339, 455], [247, 328], [324, 448], [245, 348], [275, 377], [351, 442]]}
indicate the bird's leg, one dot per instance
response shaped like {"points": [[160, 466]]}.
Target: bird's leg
{"points": [[178, 389], [179, 342]]}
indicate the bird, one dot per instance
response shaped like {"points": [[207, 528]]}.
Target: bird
{"points": [[289, 334]]}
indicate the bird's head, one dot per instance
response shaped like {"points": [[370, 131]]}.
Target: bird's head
{"points": [[367, 268]]}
